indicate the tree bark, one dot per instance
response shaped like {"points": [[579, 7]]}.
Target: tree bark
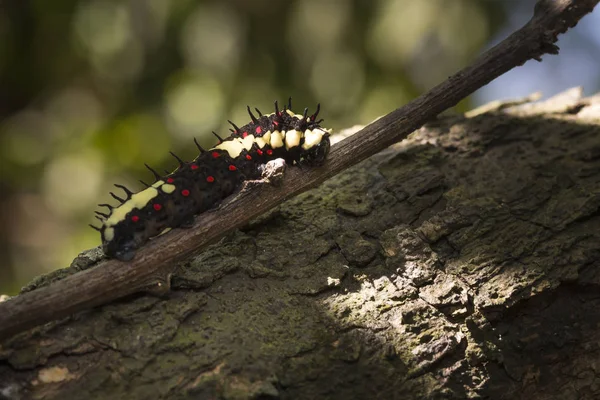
{"points": [[461, 262]]}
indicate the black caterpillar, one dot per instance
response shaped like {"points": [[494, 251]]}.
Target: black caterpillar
{"points": [[196, 186]]}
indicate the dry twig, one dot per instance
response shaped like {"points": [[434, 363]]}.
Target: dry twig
{"points": [[112, 279]]}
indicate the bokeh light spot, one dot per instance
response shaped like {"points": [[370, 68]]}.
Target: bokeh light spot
{"points": [[338, 78], [212, 37], [72, 181], [194, 104]]}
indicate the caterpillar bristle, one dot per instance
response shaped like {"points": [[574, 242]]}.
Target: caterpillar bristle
{"points": [[254, 120], [156, 174], [314, 116], [144, 183], [276, 108], [290, 103], [198, 146], [117, 197], [218, 137], [181, 162], [127, 191], [235, 127], [99, 218], [305, 113], [258, 111], [106, 205], [101, 214], [95, 228]]}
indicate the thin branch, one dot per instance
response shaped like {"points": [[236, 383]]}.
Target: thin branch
{"points": [[113, 279]]}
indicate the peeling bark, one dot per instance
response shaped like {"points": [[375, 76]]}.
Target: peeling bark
{"points": [[462, 262]]}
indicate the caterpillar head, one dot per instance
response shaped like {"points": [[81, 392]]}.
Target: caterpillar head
{"points": [[121, 245]]}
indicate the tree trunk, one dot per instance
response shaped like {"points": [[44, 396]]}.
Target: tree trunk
{"points": [[462, 262]]}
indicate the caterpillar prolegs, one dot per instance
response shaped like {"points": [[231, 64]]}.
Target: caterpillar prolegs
{"points": [[201, 184]]}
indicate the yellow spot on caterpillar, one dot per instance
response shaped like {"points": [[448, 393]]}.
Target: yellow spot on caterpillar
{"points": [[292, 139], [291, 114], [109, 234], [277, 139], [260, 142], [167, 188], [234, 147], [248, 141], [312, 138], [266, 138], [138, 200]]}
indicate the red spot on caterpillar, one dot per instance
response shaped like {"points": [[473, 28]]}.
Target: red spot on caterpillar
{"points": [[157, 207], [270, 152], [215, 154], [135, 218], [275, 123], [258, 129], [185, 193], [194, 166], [232, 168], [170, 180], [260, 152], [210, 179], [248, 157], [244, 134]]}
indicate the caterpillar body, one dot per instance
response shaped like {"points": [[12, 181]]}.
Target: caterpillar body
{"points": [[201, 184]]}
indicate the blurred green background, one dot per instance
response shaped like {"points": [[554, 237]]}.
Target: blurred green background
{"points": [[90, 90]]}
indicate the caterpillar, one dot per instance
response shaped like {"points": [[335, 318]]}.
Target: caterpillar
{"points": [[173, 200]]}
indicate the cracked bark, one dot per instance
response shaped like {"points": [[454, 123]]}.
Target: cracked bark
{"points": [[462, 262]]}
